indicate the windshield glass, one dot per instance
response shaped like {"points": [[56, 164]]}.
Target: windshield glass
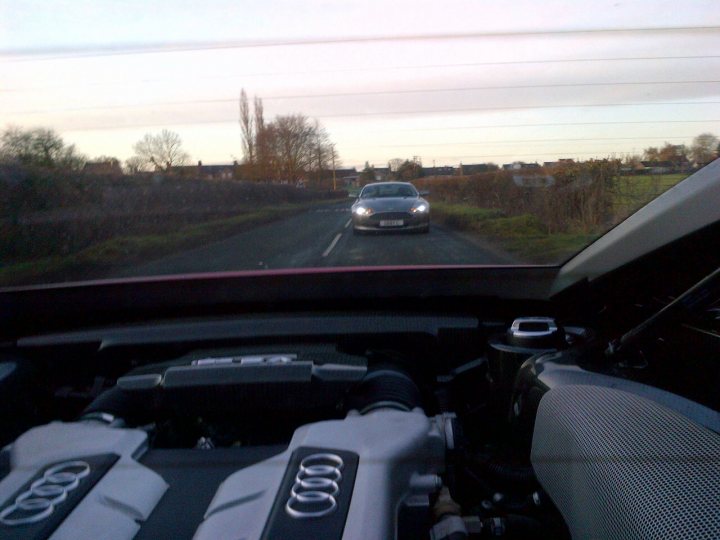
{"points": [[377, 191], [141, 140]]}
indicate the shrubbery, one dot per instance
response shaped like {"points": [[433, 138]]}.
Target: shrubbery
{"points": [[579, 200], [49, 212]]}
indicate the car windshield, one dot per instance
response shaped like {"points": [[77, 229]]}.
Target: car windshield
{"points": [[139, 139], [378, 191]]}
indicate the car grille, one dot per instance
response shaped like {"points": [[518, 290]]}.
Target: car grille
{"points": [[390, 215]]}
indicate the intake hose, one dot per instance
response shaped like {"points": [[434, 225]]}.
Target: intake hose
{"points": [[117, 403], [510, 473], [384, 387]]}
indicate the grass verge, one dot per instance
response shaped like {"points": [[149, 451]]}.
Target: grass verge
{"points": [[632, 192], [524, 236], [92, 261]]}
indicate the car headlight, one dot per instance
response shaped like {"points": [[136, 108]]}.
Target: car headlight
{"points": [[362, 211], [420, 208]]}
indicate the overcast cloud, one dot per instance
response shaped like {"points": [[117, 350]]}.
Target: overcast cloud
{"points": [[471, 81]]}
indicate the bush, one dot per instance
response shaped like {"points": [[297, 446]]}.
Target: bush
{"points": [[581, 199], [464, 216], [526, 225], [488, 221], [56, 213]]}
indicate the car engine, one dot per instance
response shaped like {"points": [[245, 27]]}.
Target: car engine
{"points": [[302, 441], [352, 436]]}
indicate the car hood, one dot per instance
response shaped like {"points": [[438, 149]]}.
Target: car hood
{"points": [[391, 204]]}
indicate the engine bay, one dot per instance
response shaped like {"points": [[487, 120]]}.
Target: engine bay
{"points": [[300, 426]]}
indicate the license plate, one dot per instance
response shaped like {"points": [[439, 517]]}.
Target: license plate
{"points": [[392, 223]]}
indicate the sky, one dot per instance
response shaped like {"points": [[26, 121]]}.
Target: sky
{"points": [[450, 82]]}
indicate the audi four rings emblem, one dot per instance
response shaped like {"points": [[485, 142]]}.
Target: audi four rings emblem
{"points": [[39, 501], [317, 484]]}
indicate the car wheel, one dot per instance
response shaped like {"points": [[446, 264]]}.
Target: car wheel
{"points": [[357, 232], [425, 230]]}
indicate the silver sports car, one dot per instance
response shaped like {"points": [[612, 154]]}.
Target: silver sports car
{"points": [[388, 206]]}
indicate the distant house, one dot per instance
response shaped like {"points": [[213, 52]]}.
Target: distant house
{"points": [[381, 173], [520, 166], [206, 172], [348, 177], [344, 173], [444, 170], [657, 167], [475, 168], [558, 163], [108, 168]]}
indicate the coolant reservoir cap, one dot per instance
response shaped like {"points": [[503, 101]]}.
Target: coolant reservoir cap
{"points": [[536, 333]]}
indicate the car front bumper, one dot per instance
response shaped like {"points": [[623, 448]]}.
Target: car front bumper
{"points": [[373, 222]]}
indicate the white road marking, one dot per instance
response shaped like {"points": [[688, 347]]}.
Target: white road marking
{"points": [[349, 221], [332, 245]]}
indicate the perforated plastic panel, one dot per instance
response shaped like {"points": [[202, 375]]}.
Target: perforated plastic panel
{"points": [[621, 466]]}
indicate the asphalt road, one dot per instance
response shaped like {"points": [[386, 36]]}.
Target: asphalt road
{"points": [[323, 237]]}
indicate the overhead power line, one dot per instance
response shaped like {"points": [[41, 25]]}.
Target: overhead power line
{"points": [[604, 153], [54, 52], [234, 122], [558, 124], [516, 107], [84, 83], [527, 141], [359, 94], [491, 87]]}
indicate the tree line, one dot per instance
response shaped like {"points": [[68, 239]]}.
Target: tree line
{"points": [[289, 148], [703, 149]]}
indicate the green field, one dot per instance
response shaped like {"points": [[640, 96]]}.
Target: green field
{"points": [[633, 192], [523, 236]]}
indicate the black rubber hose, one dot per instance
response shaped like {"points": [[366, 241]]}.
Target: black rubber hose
{"points": [[515, 474], [385, 387], [510, 473], [128, 405]]}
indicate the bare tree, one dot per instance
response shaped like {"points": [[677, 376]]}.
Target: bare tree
{"points": [[263, 158], [247, 129], [288, 148], [259, 112], [335, 162], [394, 164], [703, 149], [39, 147], [293, 138], [135, 164], [651, 154], [324, 153], [674, 153], [162, 151]]}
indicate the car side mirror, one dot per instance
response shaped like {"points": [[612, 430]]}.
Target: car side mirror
{"points": [[424, 193]]}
